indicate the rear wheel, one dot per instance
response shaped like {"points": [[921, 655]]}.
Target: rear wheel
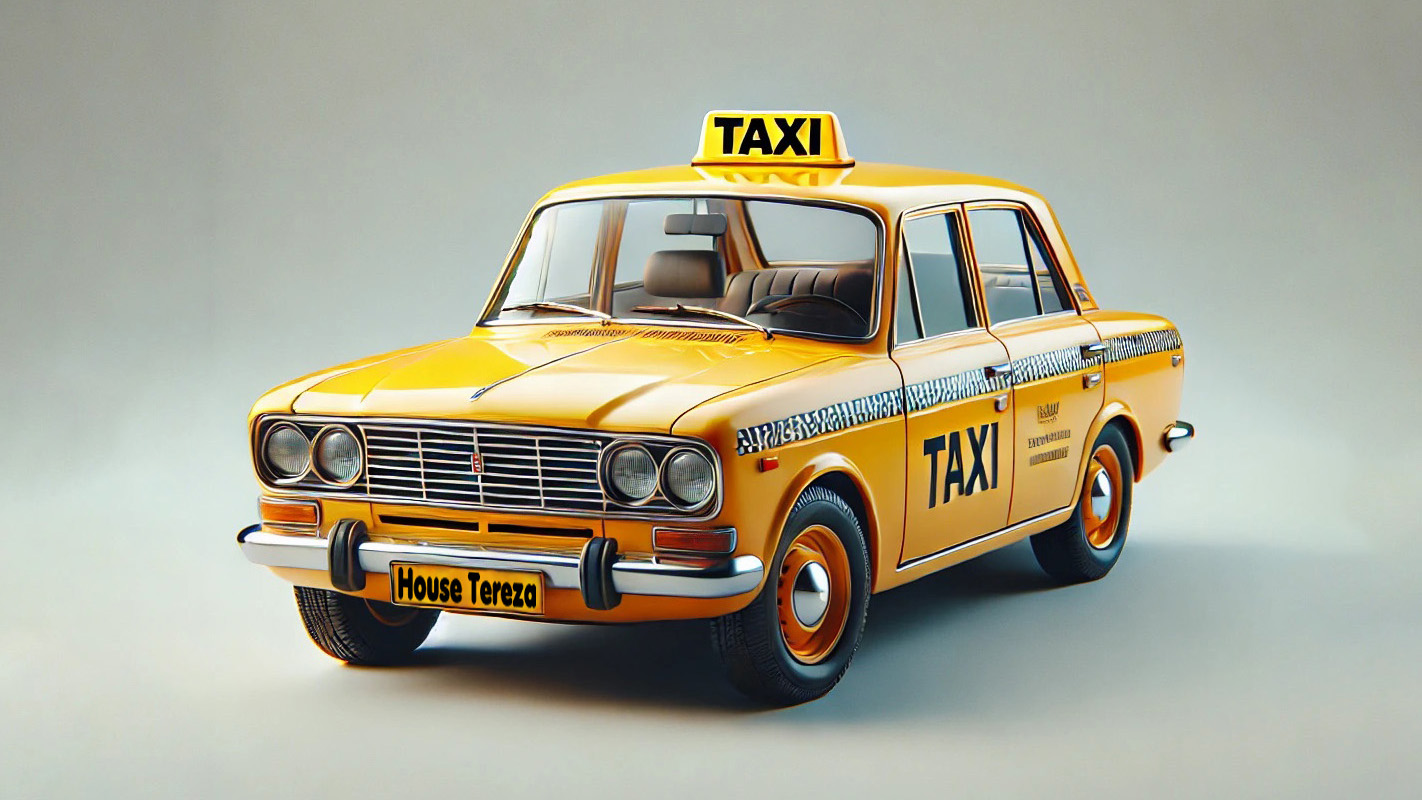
{"points": [[360, 631], [1088, 544], [795, 640]]}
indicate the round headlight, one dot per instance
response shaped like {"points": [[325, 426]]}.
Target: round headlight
{"points": [[287, 451], [338, 457], [689, 477], [632, 474]]}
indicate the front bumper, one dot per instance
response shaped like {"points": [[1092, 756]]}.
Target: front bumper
{"points": [[631, 575]]}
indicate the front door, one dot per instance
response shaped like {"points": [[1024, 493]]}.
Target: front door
{"points": [[1055, 356], [960, 424]]}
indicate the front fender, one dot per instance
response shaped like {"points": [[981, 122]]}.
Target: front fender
{"points": [[826, 466]]}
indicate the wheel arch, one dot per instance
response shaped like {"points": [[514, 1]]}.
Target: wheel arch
{"points": [[839, 475], [1119, 415]]}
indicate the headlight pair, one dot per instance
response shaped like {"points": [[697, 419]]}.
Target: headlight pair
{"points": [[686, 476], [334, 452]]}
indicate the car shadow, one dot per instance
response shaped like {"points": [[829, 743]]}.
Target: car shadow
{"points": [[673, 664], [980, 642]]}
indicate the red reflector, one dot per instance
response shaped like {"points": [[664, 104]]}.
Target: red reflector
{"points": [[769, 463], [721, 541]]}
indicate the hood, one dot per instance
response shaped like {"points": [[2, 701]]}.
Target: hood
{"points": [[612, 377]]}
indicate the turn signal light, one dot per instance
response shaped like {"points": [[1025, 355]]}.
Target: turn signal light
{"points": [[720, 541], [288, 513]]}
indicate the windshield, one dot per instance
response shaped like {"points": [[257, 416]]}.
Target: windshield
{"points": [[771, 264]]}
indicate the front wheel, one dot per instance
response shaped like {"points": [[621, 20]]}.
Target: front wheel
{"points": [[360, 631], [1088, 544], [795, 640]]}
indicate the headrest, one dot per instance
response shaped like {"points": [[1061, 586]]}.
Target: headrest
{"points": [[685, 273], [700, 224]]}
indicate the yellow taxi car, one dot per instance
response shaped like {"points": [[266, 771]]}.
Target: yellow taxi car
{"points": [[756, 389]]}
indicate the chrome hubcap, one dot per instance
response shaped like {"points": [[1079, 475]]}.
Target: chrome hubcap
{"points": [[1101, 495], [810, 597]]}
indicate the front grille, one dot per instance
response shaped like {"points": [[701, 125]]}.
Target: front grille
{"points": [[522, 469], [518, 470]]}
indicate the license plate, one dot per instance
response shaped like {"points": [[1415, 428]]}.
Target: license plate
{"points": [[439, 586]]}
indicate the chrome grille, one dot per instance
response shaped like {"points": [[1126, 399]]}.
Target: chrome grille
{"points": [[520, 470]]}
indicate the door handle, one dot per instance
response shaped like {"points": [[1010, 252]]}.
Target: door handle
{"points": [[1090, 351], [1089, 380], [1004, 370], [999, 403]]}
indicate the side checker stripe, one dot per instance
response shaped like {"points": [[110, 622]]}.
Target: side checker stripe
{"points": [[950, 389]]}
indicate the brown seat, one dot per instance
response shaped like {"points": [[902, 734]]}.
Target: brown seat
{"points": [[852, 284]]}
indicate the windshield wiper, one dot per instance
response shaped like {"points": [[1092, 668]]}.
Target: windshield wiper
{"points": [[680, 310], [569, 307]]}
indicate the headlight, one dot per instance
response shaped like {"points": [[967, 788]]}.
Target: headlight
{"points": [[631, 474], [287, 451], [338, 458], [689, 478]]}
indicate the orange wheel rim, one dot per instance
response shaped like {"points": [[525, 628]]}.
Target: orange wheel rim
{"points": [[1101, 498], [812, 594]]}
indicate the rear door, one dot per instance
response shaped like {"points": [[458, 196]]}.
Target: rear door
{"points": [[959, 472], [1057, 388]]}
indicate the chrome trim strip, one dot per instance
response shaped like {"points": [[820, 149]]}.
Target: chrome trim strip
{"points": [[726, 579], [1178, 435], [1050, 516], [1017, 320], [632, 575]]}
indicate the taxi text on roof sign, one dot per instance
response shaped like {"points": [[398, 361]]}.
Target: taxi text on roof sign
{"points": [[772, 137]]}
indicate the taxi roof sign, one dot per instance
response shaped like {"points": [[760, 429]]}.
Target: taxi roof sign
{"points": [[799, 138]]}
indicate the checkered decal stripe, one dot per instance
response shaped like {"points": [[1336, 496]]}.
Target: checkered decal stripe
{"points": [[951, 389], [1048, 365], [1120, 348], [859, 411]]}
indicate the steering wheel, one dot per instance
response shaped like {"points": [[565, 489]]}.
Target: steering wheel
{"points": [[771, 304]]}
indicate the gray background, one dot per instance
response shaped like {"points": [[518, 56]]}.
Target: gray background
{"points": [[198, 201]]}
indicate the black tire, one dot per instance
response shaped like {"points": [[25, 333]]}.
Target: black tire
{"points": [[360, 631], [755, 655], [1064, 552]]}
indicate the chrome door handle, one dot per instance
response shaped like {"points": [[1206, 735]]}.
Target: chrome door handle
{"points": [[999, 403], [1090, 380], [1089, 351], [1004, 370]]}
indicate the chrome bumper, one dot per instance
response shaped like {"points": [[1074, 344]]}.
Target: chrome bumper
{"points": [[1177, 436], [630, 575]]}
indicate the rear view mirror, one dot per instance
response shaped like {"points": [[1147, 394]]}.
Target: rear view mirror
{"points": [[695, 224]]}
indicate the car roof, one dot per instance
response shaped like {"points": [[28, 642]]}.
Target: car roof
{"points": [[887, 188]]}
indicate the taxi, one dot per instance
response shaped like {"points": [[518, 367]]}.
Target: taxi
{"points": [[756, 389]]}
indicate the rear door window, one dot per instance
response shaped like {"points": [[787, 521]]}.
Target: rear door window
{"points": [[1018, 276]]}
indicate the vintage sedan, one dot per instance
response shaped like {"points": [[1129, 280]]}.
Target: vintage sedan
{"points": [[757, 390]]}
